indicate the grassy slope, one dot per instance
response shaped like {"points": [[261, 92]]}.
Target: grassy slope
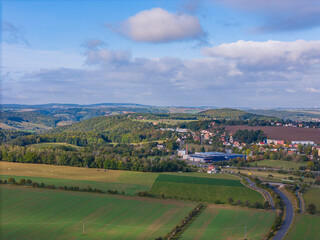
{"points": [[305, 227], [229, 223], [29, 213], [279, 164], [312, 196], [203, 189]]}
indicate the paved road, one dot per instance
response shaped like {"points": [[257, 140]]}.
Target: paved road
{"points": [[253, 185], [289, 215]]}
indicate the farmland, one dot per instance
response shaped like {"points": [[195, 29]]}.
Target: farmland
{"points": [[312, 195], [279, 164], [283, 133], [129, 182], [304, 227], [193, 186], [54, 214], [229, 223], [203, 189]]}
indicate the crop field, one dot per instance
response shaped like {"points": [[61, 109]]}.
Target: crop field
{"points": [[312, 195], [305, 227], [283, 133], [129, 182], [203, 189], [279, 164], [28, 213], [221, 223]]}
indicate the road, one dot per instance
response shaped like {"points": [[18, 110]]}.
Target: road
{"points": [[289, 215], [273, 169], [253, 185]]}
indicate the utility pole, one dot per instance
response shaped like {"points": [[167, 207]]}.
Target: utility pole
{"points": [[83, 228], [245, 233]]}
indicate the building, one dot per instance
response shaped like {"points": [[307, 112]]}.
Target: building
{"points": [[274, 142], [303, 142], [211, 169], [209, 157]]}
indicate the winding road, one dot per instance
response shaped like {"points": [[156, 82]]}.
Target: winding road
{"points": [[289, 215], [253, 185], [289, 209]]}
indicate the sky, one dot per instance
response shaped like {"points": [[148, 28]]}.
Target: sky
{"points": [[230, 53]]}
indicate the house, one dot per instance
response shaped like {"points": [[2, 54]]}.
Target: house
{"points": [[211, 169], [160, 146], [274, 142], [303, 142]]}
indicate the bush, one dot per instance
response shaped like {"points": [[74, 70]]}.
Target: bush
{"points": [[230, 200], [22, 181], [11, 180], [312, 209]]}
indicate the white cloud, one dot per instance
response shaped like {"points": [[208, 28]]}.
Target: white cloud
{"points": [[158, 25], [275, 54], [313, 90]]}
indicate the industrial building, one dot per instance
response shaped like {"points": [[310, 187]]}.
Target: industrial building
{"points": [[209, 157]]}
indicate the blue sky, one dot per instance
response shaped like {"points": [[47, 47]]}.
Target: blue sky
{"points": [[233, 53]]}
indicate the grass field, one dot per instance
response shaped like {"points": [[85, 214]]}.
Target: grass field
{"points": [[305, 227], [279, 164], [49, 144], [229, 223], [312, 195], [203, 189], [28, 213]]}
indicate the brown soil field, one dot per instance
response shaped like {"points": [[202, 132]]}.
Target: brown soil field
{"points": [[287, 134]]}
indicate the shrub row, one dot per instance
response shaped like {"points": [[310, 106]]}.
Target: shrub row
{"points": [[184, 222]]}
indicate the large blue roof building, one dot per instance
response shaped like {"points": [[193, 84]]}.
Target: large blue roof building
{"points": [[209, 157]]}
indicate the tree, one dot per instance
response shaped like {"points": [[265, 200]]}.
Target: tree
{"points": [[312, 209], [230, 200]]}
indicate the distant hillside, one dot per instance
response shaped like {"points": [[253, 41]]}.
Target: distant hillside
{"points": [[229, 113], [115, 129], [294, 115]]}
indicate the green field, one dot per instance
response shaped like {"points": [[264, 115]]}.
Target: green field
{"points": [[203, 189], [312, 195], [229, 223], [53, 145], [279, 164], [29, 213], [305, 227]]}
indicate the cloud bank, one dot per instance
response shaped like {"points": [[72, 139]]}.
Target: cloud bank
{"points": [[158, 25], [242, 73]]}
